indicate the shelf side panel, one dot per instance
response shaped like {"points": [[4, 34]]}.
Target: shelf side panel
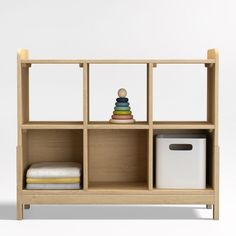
{"points": [[22, 115], [212, 89], [213, 101], [22, 92]]}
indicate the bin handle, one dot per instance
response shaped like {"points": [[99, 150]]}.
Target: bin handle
{"points": [[180, 147]]}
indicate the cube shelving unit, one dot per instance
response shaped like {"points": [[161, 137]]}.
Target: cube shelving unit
{"points": [[117, 159]]}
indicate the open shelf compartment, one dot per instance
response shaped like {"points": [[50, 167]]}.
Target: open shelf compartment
{"points": [[209, 155], [51, 146], [117, 159], [56, 89], [170, 80]]}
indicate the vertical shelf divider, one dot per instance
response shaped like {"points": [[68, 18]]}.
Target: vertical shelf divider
{"points": [[150, 123], [85, 123]]}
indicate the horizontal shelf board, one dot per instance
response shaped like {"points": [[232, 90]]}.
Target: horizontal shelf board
{"points": [[117, 186], [83, 197], [187, 61], [124, 188], [207, 191], [118, 61], [183, 125], [53, 125], [53, 192], [141, 188], [107, 125], [52, 61], [118, 199]]}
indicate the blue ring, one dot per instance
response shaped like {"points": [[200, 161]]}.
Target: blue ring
{"points": [[122, 104], [122, 99]]}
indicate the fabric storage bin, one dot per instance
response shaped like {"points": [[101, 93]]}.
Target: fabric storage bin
{"points": [[181, 161]]}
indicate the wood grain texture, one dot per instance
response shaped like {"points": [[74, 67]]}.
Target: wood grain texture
{"points": [[121, 188], [150, 159], [108, 125], [150, 122], [118, 199], [183, 125], [85, 159], [213, 103], [149, 93], [19, 210], [216, 205], [117, 155], [99, 187], [54, 145], [25, 93], [22, 116], [52, 125], [85, 93], [85, 120]]}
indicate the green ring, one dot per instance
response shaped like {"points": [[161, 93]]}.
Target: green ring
{"points": [[122, 112]]}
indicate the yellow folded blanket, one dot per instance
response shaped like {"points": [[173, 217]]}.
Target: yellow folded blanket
{"points": [[52, 180]]}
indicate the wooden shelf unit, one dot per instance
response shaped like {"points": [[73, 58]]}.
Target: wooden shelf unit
{"points": [[117, 159]]}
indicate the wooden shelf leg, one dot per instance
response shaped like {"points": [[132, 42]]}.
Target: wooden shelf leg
{"points": [[208, 206], [26, 206], [19, 214], [216, 211]]}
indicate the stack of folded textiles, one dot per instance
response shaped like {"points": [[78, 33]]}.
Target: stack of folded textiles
{"points": [[54, 175]]}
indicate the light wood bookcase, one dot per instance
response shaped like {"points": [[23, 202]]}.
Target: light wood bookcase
{"points": [[109, 179]]}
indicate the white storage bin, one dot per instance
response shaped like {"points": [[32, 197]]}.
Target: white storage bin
{"points": [[181, 161]]}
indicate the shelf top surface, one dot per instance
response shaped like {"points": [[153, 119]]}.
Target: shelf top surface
{"points": [[118, 61], [107, 125]]}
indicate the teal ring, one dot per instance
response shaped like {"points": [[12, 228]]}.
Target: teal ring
{"points": [[122, 104]]}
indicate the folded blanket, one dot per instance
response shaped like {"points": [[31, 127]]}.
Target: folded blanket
{"points": [[53, 186], [54, 170], [53, 180]]}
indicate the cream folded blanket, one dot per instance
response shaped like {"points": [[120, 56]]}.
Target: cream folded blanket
{"points": [[53, 180], [52, 186], [54, 170]]}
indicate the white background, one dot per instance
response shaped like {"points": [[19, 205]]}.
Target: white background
{"points": [[117, 29]]}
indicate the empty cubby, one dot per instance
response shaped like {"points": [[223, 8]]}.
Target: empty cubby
{"points": [[58, 91], [117, 159], [169, 82]]}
